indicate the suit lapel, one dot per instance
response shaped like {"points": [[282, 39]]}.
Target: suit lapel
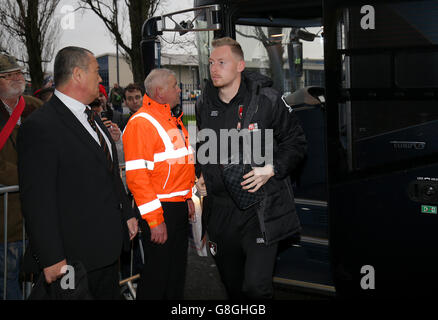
{"points": [[70, 121]]}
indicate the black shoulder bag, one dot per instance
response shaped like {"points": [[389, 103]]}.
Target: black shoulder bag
{"points": [[232, 175]]}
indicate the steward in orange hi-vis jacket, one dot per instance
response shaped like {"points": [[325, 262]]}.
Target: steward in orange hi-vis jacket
{"points": [[160, 173], [159, 159]]}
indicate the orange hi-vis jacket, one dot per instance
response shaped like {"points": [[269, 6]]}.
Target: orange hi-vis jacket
{"points": [[159, 159]]}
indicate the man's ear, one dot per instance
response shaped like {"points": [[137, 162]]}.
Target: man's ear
{"points": [[77, 74], [158, 91], [241, 65]]}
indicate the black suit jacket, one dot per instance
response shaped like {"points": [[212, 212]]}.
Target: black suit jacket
{"points": [[73, 206]]}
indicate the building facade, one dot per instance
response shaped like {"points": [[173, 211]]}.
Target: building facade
{"points": [[184, 66], [186, 69]]}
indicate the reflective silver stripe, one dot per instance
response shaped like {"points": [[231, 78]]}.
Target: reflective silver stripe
{"points": [[170, 152], [173, 194], [139, 164], [150, 165], [163, 134], [149, 207]]}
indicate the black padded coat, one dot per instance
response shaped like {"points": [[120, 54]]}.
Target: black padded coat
{"points": [[265, 109]]}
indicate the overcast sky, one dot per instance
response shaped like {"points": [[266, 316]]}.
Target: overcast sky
{"points": [[90, 32]]}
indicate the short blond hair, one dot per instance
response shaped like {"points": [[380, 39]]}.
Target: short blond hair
{"points": [[233, 44]]}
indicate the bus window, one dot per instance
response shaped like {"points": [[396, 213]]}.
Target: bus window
{"points": [[203, 43], [409, 74], [389, 77], [267, 51]]}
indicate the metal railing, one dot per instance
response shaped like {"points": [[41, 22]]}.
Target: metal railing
{"points": [[27, 286], [5, 190], [129, 282], [189, 108]]}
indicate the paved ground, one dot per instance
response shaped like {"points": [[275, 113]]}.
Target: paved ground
{"points": [[203, 282]]}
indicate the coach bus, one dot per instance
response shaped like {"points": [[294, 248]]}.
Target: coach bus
{"points": [[362, 76]]}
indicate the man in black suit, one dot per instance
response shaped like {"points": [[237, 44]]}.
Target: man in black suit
{"points": [[72, 196]]}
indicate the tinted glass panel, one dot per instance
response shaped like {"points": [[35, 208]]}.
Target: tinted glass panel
{"points": [[416, 69], [405, 24]]}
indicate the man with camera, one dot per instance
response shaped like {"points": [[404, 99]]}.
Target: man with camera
{"points": [[106, 116], [108, 112]]}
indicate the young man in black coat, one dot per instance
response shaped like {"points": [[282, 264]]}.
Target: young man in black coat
{"points": [[244, 241], [73, 200]]}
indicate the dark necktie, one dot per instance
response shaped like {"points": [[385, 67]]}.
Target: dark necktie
{"points": [[102, 142]]}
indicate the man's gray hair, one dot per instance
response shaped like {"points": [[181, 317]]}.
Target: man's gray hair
{"points": [[157, 78], [66, 60]]}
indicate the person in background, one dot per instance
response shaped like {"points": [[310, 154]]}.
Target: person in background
{"points": [[116, 97], [48, 82], [14, 110], [44, 94], [110, 114], [97, 107], [133, 98]]}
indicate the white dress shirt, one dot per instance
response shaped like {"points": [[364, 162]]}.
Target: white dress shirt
{"points": [[78, 109]]}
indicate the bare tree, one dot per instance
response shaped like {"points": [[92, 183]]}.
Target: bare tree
{"points": [[138, 11], [29, 25], [275, 51], [183, 44]]}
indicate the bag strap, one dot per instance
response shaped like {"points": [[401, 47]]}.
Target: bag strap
{"points": [[13, 119]]}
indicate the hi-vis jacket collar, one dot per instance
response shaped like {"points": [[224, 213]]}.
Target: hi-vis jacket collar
{"points": [[161, 108]]}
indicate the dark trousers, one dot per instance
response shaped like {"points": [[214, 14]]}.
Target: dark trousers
{"points": [[13, 263], [103, 283], [245, 263], [164, 272]]}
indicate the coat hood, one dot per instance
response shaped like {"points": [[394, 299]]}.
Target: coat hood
{"points": [[255, 78]]}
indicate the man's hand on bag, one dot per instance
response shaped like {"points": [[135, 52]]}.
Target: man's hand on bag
{"points": [[159, 234], [132, 227], [256, 178], [53, 272], [200, 186]]}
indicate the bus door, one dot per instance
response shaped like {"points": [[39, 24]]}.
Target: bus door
{"points": [[381, 69]]}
